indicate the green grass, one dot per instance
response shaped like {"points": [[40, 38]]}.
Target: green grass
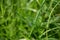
{"points": [[30, 19]]}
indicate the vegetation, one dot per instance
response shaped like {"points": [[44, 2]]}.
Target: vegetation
{"points": [[30, 19]]}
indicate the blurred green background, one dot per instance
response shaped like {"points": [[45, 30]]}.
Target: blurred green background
{"points": [[30, 19]]}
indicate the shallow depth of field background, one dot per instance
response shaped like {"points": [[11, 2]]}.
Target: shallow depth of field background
{"points": [[29, 19]]}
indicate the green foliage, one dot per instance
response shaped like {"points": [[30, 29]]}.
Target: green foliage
{"points": [[30, 19]]}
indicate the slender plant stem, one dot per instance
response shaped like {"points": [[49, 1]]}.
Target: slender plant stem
{"points": [[49, 19]]}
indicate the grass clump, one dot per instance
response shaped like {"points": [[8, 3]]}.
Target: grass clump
{"points": [[29, 19]]}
